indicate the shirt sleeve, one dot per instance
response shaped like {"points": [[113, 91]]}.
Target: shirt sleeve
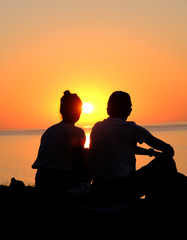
{"points": [[141, 134]]}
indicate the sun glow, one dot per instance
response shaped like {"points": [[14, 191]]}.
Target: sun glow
{"points": [[87, 108]]}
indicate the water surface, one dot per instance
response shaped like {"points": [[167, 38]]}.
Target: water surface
{"points": [[18, 150]]}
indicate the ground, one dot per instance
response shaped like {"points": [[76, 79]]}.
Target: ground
{"points": [[27, 214]]}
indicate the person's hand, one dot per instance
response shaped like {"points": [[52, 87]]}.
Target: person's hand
{"points": [[154, 153]]}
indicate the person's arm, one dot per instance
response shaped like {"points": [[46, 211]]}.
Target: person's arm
{"points": [[158, 144], [143, 151]]}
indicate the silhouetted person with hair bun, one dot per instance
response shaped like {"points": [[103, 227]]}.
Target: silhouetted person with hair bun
{"points": [[60, 160], [70, 107]]}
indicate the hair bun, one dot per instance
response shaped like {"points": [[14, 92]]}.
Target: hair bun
{"points": [[66, 93]]}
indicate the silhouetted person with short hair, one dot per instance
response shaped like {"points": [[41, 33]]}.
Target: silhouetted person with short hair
{"points": [[60, 160], [112, 162]]}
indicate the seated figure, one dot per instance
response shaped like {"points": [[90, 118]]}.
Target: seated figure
{"points": [[112, 162], [60, 160]]}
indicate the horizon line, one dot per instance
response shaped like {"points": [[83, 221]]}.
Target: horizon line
{"points": [[151, 126]]}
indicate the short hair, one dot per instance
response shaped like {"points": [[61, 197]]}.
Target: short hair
{"points": [[69, 102], [118, 102]]}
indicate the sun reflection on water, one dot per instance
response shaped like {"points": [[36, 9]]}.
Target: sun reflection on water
{"points": [[87, 143]]}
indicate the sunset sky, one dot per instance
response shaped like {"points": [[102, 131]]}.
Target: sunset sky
{"points": [[92, 48]]}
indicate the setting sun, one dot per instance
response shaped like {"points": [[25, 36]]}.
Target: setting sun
{"points": [[129, 43], [87, 108]]}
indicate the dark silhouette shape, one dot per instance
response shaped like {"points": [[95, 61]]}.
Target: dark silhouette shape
{"points": [[60, 161], [17, 185], [112, 160]]}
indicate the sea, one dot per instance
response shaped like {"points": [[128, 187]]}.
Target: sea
{"points": [[19, 148]]}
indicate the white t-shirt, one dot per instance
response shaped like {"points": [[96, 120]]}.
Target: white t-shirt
{"points": [[112, 146], [56, 146]]}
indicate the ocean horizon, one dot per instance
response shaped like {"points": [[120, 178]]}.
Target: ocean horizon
{"points": [[151, 127], [19, 148]]}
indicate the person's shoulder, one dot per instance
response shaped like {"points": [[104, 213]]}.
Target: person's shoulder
{"points": [[98, 124], [79, 131], [131, 123], [137, 127], [50, 130]]}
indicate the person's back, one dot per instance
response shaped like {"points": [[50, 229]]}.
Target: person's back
{"points": [[56, 147], [60, 157], [112, 148]]}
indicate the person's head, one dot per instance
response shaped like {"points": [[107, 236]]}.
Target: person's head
{"points": [[70, 107], [119, 105]]}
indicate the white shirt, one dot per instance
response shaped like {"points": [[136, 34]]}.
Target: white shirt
{"points": [[56, 146], [112, 146]]}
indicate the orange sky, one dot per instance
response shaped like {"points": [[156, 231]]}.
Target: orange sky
{"points": [[92, 48]]}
